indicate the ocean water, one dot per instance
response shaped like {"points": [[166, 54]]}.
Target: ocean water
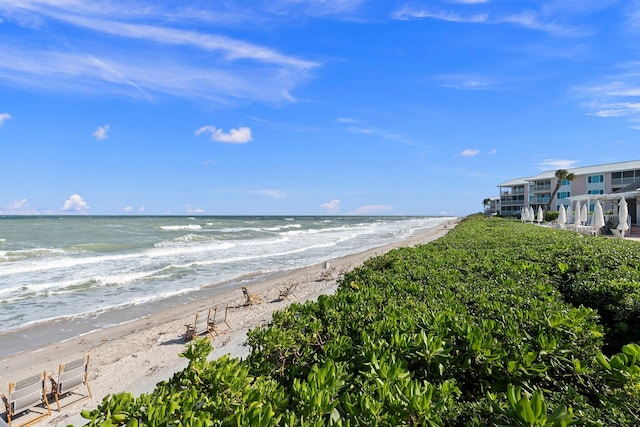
{"points": [[80, 273]]}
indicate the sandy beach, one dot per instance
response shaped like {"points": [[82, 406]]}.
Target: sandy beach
{"points": [[137, 355]]}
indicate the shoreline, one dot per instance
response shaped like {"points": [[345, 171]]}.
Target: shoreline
{"points": [[135, 355]]}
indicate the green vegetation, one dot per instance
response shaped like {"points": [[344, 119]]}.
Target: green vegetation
{"points": [[498, 323]]}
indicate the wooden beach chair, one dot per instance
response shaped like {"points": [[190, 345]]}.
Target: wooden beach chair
{"points": [[201, 325], [27, 397], [72, 377], [287, 291], [251, 298], [219, 320]]}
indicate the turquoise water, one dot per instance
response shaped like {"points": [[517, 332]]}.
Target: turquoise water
{"points": [[87, 269]]}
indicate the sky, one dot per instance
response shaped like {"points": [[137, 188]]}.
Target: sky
{"points": [[318, 107]]}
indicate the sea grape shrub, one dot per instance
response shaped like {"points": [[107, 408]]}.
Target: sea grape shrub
{"points": [[497, 323]]}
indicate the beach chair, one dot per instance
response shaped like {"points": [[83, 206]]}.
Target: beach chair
{"points": [[287, 291], [201, 325], [72, 377], [218, 320], [251, 298], [25, 397]]}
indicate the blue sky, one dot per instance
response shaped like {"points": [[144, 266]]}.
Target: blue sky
{"points": [[292, 107]]}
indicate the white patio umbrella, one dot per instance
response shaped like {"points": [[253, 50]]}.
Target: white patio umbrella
{"points": [[583, 214], [623, 212], [532, 216], [576, 214], [524, 214], [598, 217], [562, 216], [540, 214]]}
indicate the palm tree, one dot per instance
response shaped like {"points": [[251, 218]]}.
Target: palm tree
{"points": [[561, 175], [485, 203]]}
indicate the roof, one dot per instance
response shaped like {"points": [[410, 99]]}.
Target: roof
{"points": [[590, 170], [629, 188], [514, 182]]}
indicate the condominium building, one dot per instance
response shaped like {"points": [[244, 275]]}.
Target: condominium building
{"points": [[606, 183]]}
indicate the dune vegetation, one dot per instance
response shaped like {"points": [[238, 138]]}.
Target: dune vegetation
{"points": [[497, 323]]}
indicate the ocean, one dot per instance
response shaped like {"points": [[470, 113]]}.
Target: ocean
{"points": [[61, 276]]}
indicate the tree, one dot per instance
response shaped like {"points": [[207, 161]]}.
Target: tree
{"points": [[561, 175]]}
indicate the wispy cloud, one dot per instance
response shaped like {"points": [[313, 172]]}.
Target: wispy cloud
{"points": [[3, 118], [469, 152], [274, 194], [18, 207], [101, 132], [615, 96], [240, 135], [555, 164], [465, 82], [413, 13], [531, 19], [373, 209], [193, 210], [356, 126], [222, 68]]}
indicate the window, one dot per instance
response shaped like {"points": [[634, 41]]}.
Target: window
{"points": [[595, 192], [593, 179]]}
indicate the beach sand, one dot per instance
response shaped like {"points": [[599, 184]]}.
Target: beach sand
{"points": [[135, 356]]}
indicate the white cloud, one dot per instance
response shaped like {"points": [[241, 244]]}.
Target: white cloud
{"points": [[191, 210], [353, 127], [140, 209], [240, 135], [409, 13], [101, 132], [531, 20], [4, 117], [18, 207], [465, 82], [75, 203], [233, 69], [555, 164], [271, 193], [332, 206], [469, 152], [373, 209], [493, 151]]}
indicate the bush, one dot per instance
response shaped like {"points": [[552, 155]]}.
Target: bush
{"points": [[497, 323]]}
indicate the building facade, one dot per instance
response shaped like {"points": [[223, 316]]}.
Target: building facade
{"points": [[591, 183]]}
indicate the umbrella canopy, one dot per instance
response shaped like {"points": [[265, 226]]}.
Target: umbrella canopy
{"points": [[583, 214], [524, 215], [540, 214], [532, 216], [598, 217], [623, 212], [562, 216], [576, 214]]}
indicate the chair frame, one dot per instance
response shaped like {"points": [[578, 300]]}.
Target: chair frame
{"points": [[287, 291], [251, 298], [215, 321], [23, 397], [200, 325], [71, 376]]}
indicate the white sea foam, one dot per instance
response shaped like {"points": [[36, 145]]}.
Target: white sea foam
{"points": [[181, 227], [87, 266]]}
